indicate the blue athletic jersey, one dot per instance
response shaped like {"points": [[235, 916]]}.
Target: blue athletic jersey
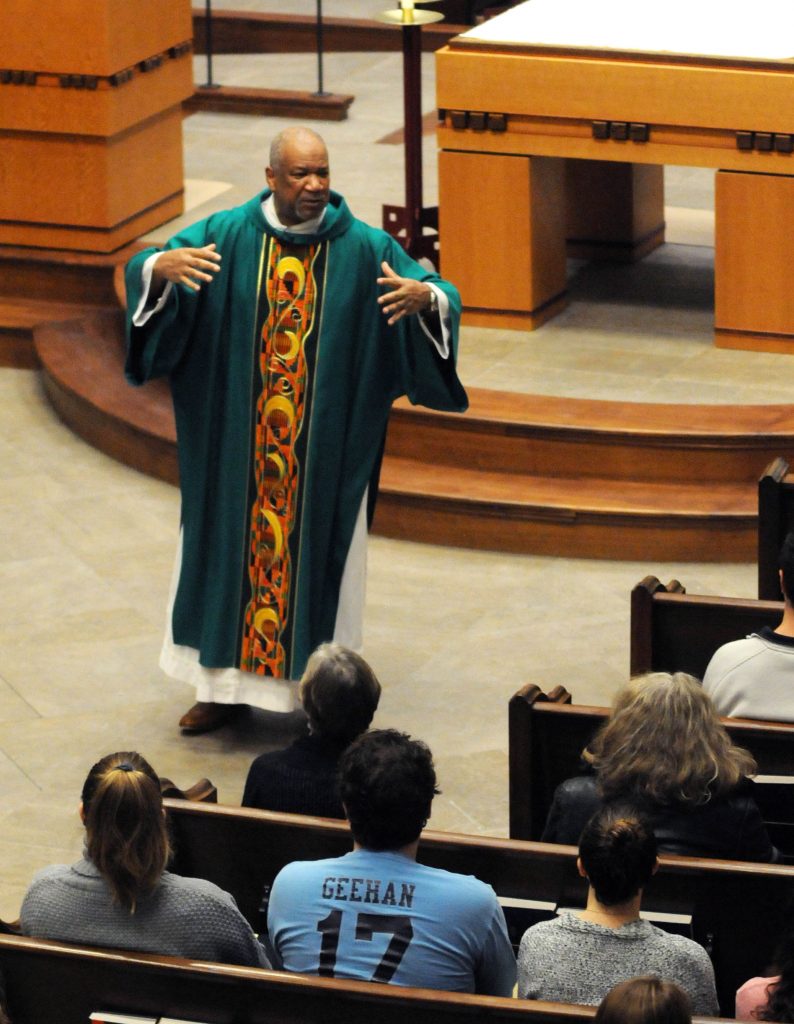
{"points": [[383, 917]]}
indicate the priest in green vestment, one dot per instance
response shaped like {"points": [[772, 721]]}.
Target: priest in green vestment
{"points": [[287, 328]]}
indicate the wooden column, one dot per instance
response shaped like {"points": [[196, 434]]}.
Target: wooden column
{"points": [[502, 234], [90, 120], [754, 297]]}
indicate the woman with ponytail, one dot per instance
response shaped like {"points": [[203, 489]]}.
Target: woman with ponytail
{"points": [[120, 895], [578, 958]]}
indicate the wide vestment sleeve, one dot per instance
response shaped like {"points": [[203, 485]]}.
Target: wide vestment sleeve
{"points": [[155, 349], [425, 376]]}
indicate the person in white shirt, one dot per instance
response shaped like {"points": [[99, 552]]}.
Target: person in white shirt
{"points": [[754, 677]]}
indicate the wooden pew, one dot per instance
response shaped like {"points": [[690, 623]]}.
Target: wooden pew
{"points": [[737, 909], [548, 733], [242, 850], [775, 520], [55, 983], [672, 631], [203, 790]]}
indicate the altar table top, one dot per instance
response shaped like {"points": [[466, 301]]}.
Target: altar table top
{"points": [[743, 30]]}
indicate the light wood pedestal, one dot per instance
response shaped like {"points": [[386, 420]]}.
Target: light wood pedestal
{"points": [[91, 120]]}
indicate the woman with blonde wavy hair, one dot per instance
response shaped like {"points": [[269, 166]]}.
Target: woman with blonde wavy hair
{"points": [[120, 894], [664, 749]]}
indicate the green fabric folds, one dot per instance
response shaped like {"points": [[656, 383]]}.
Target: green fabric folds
{"points": [[207, 343]]}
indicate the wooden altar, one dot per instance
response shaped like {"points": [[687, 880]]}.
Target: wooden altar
{"points": [[555, 120]]}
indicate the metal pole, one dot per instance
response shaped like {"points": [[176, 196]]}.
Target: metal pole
{"points": [[209, 84], [412, 99], [320, 90]]}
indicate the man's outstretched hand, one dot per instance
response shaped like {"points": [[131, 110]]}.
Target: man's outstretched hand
{"points": [[405, 296], [191, 267]]}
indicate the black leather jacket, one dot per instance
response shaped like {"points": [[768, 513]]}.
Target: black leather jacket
{"points": [[728, 828]]}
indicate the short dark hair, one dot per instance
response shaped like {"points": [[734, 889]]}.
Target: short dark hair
{"points": [[646, 1000], [387, 782], [786, 563], [618, 853], [339, 692]]}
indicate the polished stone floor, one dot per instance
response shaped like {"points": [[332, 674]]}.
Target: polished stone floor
{"points": [[86, 545]]}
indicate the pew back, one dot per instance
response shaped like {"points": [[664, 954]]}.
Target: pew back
{"points": [[53, 983], [737, 910], [242, 850], [672, 631]]}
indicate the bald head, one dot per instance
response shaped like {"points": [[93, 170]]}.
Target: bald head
{"points": [[296, 135], [298, 175]]}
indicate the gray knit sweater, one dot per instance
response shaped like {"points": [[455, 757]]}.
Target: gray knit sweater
{"points": [[187, 917], [568, 960]]}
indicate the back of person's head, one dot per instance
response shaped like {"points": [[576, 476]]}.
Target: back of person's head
{"points": [[780, 1003], [387, 782], [644, 1001], [339, 692], [617, 849], [126, 839], [786, 564], [664, 744]]}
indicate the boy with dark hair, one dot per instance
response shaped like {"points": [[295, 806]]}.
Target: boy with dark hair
{"points": [[579, 957], [375, 914]]}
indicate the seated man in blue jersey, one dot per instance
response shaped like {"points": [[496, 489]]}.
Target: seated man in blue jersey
{"points": [[376, 914]]}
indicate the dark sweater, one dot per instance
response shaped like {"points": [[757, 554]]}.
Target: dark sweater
{"points": [[728, 827], [300, 779]]}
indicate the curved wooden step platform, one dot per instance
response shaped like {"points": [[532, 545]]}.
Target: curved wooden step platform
{"points": [[519, 473], [40, 286], [82, 363]]}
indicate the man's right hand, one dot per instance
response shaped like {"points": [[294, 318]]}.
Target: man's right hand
{"points": [[185, 266]]}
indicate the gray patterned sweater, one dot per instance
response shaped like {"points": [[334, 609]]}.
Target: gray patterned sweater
{"points": [[568, 960], [186, 917]]}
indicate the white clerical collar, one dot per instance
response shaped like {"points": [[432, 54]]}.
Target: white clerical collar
{"points": [[306, 227]]}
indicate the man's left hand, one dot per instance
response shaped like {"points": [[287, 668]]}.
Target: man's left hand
{"points": [[406, 295]]}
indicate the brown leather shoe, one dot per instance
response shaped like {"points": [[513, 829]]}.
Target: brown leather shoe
{"points": [[206, 716]]}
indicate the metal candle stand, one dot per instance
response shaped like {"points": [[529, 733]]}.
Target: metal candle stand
{"points": [[407, 223]]}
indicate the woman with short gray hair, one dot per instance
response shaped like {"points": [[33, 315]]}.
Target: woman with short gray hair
{"points": [[340, 694]]}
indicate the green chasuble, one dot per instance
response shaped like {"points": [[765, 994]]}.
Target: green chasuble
{"points": [[283, 370]]}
